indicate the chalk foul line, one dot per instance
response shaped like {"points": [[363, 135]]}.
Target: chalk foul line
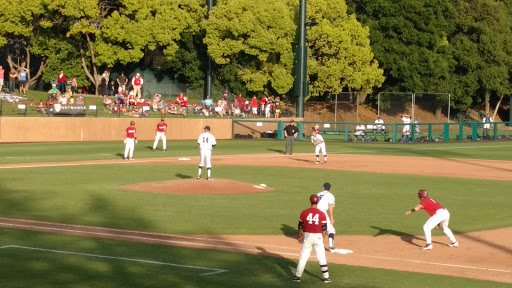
{"points": [[213, 270]]}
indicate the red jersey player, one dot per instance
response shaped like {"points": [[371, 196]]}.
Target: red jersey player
{"points": [[439, 216], [129, 140], [161, 128], [312, 227]]}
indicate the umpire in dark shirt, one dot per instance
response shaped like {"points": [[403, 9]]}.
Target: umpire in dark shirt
{"points": [[290, 132]]}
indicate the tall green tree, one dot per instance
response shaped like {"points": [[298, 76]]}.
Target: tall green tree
{"points": [[410, 39], [340, 55], [24, 32], [482, 45], [119, 32], [257, 37]]}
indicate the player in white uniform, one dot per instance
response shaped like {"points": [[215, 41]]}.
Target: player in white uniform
{"points": [[318, 142], [206, 143], [161, 129], [325, 204], [406, 131]]}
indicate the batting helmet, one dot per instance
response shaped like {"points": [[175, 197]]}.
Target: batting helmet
{"points": [[132, 123], [422, 194], [314, 199]]}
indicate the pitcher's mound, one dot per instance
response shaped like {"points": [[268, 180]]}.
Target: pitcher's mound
{"points": [[199, 186]]}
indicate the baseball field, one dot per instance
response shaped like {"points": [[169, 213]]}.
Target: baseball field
{"points": [[77, 215]]}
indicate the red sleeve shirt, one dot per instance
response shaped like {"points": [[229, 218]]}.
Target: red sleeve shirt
{"points": [[130, 132], [161, 127], [312, 220], [430, 205]]}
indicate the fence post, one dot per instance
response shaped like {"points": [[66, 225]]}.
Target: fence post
{"points": [[1, 107], [430, 132], [280, 130], [300, 126], [346, 132], [474, 132], [394, 132], [413, 133], [461, 131], [495, 131], [26, 109], [446, 132], [233, 129]]}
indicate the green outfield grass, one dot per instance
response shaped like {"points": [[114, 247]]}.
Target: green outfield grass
{"points": [[91, 195], [54, 152]]}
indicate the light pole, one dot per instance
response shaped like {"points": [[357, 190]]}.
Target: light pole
{"points": [[301, 56]]}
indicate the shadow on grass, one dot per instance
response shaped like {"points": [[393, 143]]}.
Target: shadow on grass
{"points": [[183, 176], [286, 265], [289, 231]]}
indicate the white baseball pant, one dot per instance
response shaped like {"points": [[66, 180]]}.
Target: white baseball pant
{"points": [[330, 227], [319, 147], [312, 241], [206, 157], [442, 217], [157, 138], [129, 147]]}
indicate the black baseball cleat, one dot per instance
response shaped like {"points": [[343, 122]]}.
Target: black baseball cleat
{"points": [[198, 177], [153, 150], [296, 279], [327, 280]]}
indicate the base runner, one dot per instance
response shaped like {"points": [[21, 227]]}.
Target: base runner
{"points": [[312, 227], [440, 217], [161, 129], [206, 143]]}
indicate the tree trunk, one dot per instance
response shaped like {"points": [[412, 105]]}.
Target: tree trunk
{"points": [[18, 66], [439, 108], [362, 96], [496, 110], [487, 98], [93, 75]]}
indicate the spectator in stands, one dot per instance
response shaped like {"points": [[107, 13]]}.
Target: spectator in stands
{"points": [[137, 83], [49, 102], [62, 80], [115, 109], [378, 127], [112, 88], [180, 99], [254, 105], [240, 100], [74, 85], [23, 78], [359, 131], [122, 81], [131, 99], [80, 100], [12, 80], [225, 96], [54, 93], [277, 107], [268, 108], [208, 103], [220, 109], [40, 107], [487, 124], [71, 100], [263, 105]]}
